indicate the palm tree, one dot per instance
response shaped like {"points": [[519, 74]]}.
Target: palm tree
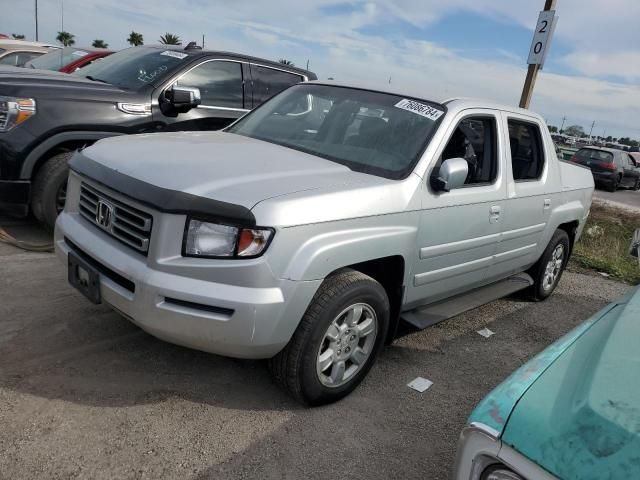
{"points": [[170, 39], [284, 61], [66, 38], [135, 39], [17, 36], [99, 44]]}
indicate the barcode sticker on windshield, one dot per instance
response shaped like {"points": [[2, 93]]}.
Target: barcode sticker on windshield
{"points": [[169, 53], [419, 108]]}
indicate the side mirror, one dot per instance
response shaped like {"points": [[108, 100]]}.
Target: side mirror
{"points": [[183, 99], [452, 174], [634, 251]]}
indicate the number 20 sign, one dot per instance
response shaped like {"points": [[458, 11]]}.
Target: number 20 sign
{"points": [[542, 37]]}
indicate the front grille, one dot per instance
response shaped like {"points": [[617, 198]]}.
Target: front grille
{"points": [[125, 223], [4, 115]]}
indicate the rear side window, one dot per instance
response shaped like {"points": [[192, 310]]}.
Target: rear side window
{"points": [[220, 83], [592, 154], [527, 152], [474, 139], [268, 81]]}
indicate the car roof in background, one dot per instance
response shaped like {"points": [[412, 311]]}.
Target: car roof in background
{"points": [[194, 52], [602, 149], [24, 43]]}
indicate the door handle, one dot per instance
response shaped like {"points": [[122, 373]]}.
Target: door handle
{"points": [[494, 214], [547, 203]]}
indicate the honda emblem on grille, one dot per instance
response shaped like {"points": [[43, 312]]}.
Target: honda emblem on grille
{"points": [[104, 214]]}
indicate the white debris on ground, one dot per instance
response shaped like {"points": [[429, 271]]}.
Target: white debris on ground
{"points": [[486, 333], [594, 231], [604, 274], [420, 384]]}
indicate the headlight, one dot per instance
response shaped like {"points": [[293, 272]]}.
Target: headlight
{"points": [[14, 111], [204, 239], [499, 472]]}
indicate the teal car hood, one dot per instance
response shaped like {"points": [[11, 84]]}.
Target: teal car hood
{"points": [[575, 408]]}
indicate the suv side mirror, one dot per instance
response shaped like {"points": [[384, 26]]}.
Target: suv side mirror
{"points": [[635, 245], [452, 174], [183, 99]]}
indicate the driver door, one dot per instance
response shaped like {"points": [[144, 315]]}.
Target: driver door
{"points": [[222, 92]]}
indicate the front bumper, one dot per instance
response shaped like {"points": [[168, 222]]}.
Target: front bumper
{"points": [[480, 448], [213, 316], [14, 197]]}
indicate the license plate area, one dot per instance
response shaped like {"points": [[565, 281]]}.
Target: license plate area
{"points": [[84, 278]]}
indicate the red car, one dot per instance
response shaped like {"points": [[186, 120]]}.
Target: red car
{"points": [[68, 59]]}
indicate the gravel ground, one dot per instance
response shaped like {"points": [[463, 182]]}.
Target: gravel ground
{"points": [[85, 394]]}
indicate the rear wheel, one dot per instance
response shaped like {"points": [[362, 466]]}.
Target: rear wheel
{"points": [[547, 271], [615, 184], [337, 340], [636, 186], [50, 189]]}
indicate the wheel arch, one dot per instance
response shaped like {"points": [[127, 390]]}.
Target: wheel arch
{"points": [[61, 142], [389, 272]]}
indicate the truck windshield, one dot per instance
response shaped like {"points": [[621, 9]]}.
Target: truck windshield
{"points": [[57, 59], [135, 67], [370, 132]]}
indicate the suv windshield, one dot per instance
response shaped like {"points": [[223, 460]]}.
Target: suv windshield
{"points": [[134, 67], [370, 132], [57, 59]]}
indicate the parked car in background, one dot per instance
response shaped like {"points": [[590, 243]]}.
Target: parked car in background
{"points": [[68, 59], [16, 53], [46, 116], [570, 413], [635, 156], [306, 230], [612, 168]]}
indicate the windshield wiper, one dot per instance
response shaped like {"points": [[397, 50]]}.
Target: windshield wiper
{"points": [[95, 79]]}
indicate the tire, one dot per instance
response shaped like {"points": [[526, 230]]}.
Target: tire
{"points": [[636, 185], [49, 189], [297, 367], [614, 184], [544, 276]]}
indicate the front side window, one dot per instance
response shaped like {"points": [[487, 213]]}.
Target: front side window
{"points": [[474, 139], [527, 152], [220, 83], [370, 132], [268, 81], [136, 67]]}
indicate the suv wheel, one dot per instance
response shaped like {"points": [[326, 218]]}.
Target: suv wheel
{"points": [[614, 184], [50, 189], [636, 186], [547, 272], [337, 341]]}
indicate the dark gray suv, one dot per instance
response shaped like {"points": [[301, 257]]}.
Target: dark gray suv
{"points": [[45, 116], [610, 167]]}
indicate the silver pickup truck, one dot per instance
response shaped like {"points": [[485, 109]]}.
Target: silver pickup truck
{"points": [[307, 230]]}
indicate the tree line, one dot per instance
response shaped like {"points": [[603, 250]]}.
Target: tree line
{"points": [[578, 132]]}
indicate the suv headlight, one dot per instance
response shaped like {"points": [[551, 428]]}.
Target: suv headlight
{"points": [[216, 240], [14, 111]]}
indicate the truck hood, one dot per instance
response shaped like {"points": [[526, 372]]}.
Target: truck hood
{"points": [[221, 166], [29, 82]]}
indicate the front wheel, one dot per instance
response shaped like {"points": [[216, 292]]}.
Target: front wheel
{"points": [[50, 189], [337, 340], [547, 272]]}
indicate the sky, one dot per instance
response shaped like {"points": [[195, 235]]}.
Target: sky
{"points": [[470, 48]]}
